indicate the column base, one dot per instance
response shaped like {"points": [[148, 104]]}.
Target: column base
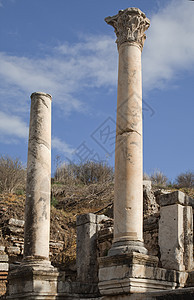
{"points": [[136, 273], [37, 280], [124, 247]]}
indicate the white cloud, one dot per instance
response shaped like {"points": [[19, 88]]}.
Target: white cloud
{"points": [[12, 129], [71, 69], [67, 71], [62, 147], [93, 61], [169, 48], [12, 126]]}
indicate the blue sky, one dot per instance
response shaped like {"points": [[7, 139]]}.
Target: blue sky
{"points": [[66, 49]]}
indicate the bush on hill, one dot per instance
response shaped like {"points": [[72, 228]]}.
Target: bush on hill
{"points": [[85, 173], [159, 179], [185, 180], [12, 175]]}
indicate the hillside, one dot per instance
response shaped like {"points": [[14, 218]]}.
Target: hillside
{"points": [[68, 201]]}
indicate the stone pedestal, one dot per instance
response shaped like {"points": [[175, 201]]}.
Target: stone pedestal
{"points": [[130, 25], [86, 251], [136, 273], [32, 282], [176, 231], [35, 278]]}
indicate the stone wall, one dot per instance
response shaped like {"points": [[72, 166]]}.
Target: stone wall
{"points": [[94, 239], [165, 213], [3, 284], [105, 236], [12, 243], [3, 272], [12, 246], [151, 219]]}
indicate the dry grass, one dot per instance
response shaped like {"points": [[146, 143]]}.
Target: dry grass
{"points": [[71, 200]]}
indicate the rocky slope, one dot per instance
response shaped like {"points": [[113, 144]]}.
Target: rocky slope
{"points": [[67, 202]]}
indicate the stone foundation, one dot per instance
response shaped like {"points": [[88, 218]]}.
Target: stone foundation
{"points": [[33, 282], [136, 273], [180, 294]]}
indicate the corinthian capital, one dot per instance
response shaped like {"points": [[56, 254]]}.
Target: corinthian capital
{"points": [[130, 25]]}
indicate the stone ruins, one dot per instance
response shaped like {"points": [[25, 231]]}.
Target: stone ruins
{"points": [[147, 252]]}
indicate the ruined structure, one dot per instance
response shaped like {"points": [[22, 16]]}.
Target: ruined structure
{"points": [[129, 26], [35, 278], [115, 260], [128, 268]]}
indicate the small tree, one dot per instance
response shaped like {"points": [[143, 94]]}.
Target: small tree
{"points": [[159, 179], [86, 173], [93, 172], [65, 173], [185, 180], [12, 174]]}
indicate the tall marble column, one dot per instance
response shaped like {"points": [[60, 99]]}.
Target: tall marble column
{"points": [[130, 25], [35, 277], [37, 209]]}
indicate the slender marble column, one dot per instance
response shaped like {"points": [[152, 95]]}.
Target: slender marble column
{"points": [[37, 209], [130, 25]]}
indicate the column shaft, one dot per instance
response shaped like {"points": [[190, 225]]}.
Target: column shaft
{"points": [[130, 25], [37, 208], [128, 203]]}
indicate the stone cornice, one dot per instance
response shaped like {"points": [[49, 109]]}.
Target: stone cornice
{"points": [[130, 25]]}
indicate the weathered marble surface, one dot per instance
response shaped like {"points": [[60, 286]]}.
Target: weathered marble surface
{"points": [[86, 248], [136, 273], [35, 278], [130, 25], [176, 231], [37, 209], [176, 197]]}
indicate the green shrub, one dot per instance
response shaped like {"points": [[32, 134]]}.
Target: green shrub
{"points": [[54, 201]]}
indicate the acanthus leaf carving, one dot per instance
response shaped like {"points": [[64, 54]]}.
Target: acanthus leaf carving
{"points": [[130, 26]]}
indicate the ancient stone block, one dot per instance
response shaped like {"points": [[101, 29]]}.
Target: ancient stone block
{"points": [[147, 184], [2, 248], [188, 237], [135, 273], [3, 258], [16, 230], [13, 250], [16, 222], [33, 282], [171, 237], [86, 258], [150, 206], [176, 197], [4, 266]]}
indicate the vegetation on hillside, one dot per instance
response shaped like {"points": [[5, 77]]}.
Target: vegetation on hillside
{"points": [[76, 189], [12, 175]]}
